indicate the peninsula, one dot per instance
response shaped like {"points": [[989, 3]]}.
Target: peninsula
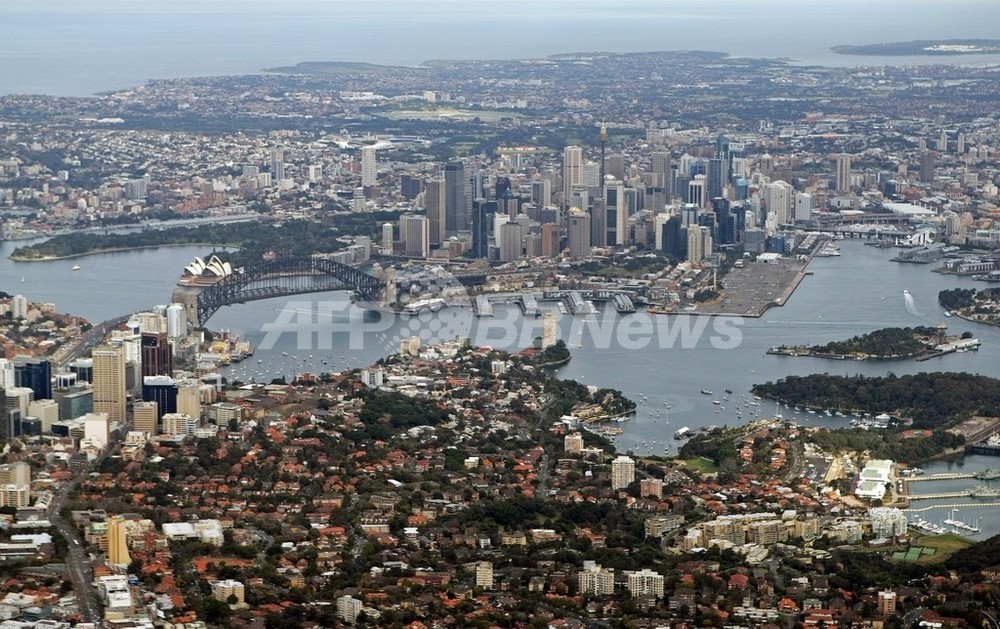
{"points": [[930, 47], [920, 343]]}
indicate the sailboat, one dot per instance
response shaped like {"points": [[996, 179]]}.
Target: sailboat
{"points": [[76, 267]]}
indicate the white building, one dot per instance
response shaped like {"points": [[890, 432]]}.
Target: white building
{"points": [[595, 580], [97, 429], [874, 478], [348, 608], [622, 472], [369, 167], [887, 522], [484, 575]]}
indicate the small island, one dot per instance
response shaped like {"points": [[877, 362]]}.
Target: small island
{"points": [[924, 47], [920, 343], [978, 306]]}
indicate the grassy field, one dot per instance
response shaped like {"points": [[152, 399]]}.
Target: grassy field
{"points": [[942, 546], [437, 113], [703, 465]]}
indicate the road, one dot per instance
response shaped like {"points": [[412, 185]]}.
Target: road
{"points": [[77, 561], [88, 339]]}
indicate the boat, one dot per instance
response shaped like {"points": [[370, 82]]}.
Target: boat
{"points": [[988, 474], [947, 313], [682, 432], [906, 293], [706, 392], [76, 267], [729, 391]]}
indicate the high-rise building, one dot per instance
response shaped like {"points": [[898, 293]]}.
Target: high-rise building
{"points": [[696, 191], [277, 165], [578, 234], [550, 240], [622, 472], [369, 167], [348, 608], [176, 321], [615, 212], [927, 166], [456, 200], [484, 575], [887, 603], [572, 170], [409, 187], [414, 231], [434, 206], [178, 424], [388, 237], [778, 201], [163, 391], [843, 173], [118, 554], [228, 591], [803, 207], [157, 356], [541, 191], [146, 417], [47, 412], [19, 307], [35, 374], [15, 485], [109, 382], [97, 429], [509, 240]]}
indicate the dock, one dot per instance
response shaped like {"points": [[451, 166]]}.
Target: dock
{"points": [[623, 303], [482, 307], [529, 305]]}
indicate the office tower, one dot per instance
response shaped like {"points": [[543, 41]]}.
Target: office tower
{"points": [[414, 231], [35, 374], [483, 212], [19, 307], [573, 443], [550, 240], [109, 382], [146, 417], [359, 202], [622, 472], [590, 174], [315, 172], [277, 165], [660, 166], [163, 391], [46, 411], [97, 429], [74, 402], [717, 179], [778, 200], [434, 206], [645, 582], [572, 175], [6, 374], [409, 187], [541, 191], [157, 357], [578, 234], [387, 239], [803, 207], [456, 201], [694, 251], [696, 191], [189, 398], [615, 166], [616, 216], [176, 321], [927, 166], [509, 241], [369, 167], [843, 173], [117, 542], [942, 143]]}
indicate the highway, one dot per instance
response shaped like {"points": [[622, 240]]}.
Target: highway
{"points": [[78, 563], [81, 345]]}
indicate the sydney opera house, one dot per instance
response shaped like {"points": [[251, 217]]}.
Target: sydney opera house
{"points": [[202, 273]]}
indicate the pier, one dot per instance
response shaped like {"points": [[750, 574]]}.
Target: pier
{"points": [[529, 305], [482, 307]]}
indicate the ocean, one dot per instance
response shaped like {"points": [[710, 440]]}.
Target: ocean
{"points": [[68, 48]]}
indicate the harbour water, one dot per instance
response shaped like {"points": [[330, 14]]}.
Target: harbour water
{"points": [[661, 362]]}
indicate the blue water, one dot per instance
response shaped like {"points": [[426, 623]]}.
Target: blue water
{"points": [[64, 47]]}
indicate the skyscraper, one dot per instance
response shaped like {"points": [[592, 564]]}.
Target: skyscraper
{"points": [[157, 359], [369, 167], [414, 231], [109, 382], [35, 374], [456, 202], [572, 163], [163, 391], [927, 166], [117, 542], [146, 417], [843, 173], [579, 233], [615, 213], [778, 200], [277, 165], [434, 206]]}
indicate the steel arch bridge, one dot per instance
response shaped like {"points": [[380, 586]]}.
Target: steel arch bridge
{"points": [[283, 277]]}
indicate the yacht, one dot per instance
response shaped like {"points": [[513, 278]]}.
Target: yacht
{"points": [[76, 267]]}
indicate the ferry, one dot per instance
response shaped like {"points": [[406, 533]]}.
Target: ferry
{"points": [[682, 432], [425, 305]]}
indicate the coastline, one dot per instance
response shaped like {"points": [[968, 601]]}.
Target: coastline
{"points": [[14, 258]]}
